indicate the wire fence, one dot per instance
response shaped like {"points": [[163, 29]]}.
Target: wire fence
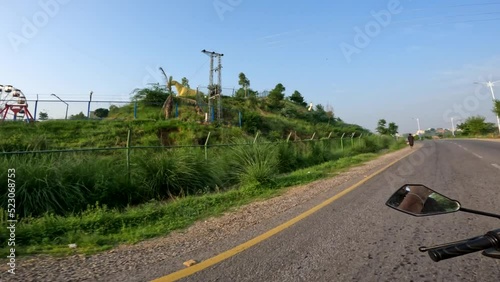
{"points": [[61, 108], [42, 110], [206, 150], [346, 141]]}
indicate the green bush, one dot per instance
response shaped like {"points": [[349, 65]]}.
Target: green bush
{"points": [[254, 163], [251, 122], [177, 172], [65, 183]]}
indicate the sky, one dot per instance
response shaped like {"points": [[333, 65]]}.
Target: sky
{"points": [[369, 59]]}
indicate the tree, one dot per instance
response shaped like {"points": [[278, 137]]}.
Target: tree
{"points": [[185, 82], [101, 112], [154, 96], [330, 114], [297, 98], [244, 91], [320, 115], [243, 81], [276, 96], [252, 122], [496, 107], [81, 115], [392, 129], [43, 116], [381, 127], [476, 125]]}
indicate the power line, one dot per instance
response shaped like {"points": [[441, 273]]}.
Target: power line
{"points": [[477, 4], [484, 20], [448, 16], [454, 6]]}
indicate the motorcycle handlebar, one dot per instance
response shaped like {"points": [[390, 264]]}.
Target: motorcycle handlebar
{"points": [[489, 240]]}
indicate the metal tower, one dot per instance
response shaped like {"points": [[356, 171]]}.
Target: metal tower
{"points": [[215, 91]]}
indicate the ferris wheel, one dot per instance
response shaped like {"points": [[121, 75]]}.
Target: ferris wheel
{"points": [[13, 104]]}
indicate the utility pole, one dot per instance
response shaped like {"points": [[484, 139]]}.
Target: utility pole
{"points": [[418, 127], [216, 88], [452, 128]]}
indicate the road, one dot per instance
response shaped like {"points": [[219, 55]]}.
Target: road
{"points": [[358, 238]]}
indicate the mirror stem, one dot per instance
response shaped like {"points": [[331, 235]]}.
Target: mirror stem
{"points": [[480, 212]]}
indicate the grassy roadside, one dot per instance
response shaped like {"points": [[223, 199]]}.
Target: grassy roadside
{"points": [[100, 228]]}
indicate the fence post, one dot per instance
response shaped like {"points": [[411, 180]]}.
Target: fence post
{"points": [[206, 146], [342, 141], [288, 138], [352, 139], [255, 139], [36, 105], [128, 155], [90, 101], [135, 110], [359, 139], [314, 134], [239, 117]]}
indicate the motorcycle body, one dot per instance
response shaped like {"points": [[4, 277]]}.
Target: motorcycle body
{"points": [[419, 200]]}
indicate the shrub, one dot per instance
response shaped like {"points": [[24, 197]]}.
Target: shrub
{"points": [[66, 183], [254, 164], [178, 172]]}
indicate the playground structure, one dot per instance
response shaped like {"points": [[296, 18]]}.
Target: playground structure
{"points": [[182, 90], [214, 92], [182, 93], [13, 104]]}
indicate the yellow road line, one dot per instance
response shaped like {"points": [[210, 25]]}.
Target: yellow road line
{"points": [[238, 249]]}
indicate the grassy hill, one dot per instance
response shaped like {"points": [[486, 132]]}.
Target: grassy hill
{"points": [[241, 118]]}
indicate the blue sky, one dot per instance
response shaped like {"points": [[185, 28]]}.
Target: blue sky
{"points": [[419, 61]]}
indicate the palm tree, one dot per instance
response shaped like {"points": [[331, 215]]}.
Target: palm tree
{"points": [[169, 102]]}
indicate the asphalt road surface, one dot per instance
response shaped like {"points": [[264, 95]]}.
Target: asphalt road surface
{"points": [[358, 238]]}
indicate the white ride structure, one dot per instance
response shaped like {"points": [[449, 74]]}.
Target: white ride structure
{"points": [[13, 104]]}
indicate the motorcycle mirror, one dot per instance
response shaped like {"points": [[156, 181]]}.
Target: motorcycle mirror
{"points": [[419, 200]]}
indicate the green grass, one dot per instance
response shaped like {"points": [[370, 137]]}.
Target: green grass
{"points": [[87, 199], [100, 228], [94, 199]]}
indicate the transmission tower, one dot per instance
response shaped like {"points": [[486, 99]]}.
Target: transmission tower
{"points": [[215, 91]]}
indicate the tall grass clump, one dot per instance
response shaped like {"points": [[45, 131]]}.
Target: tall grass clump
{"points": [[178, 172], [253, 164], [66, 183], [372, 144], [288, 157]]}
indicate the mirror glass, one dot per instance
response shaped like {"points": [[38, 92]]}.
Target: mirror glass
{"points": [[419, 200]]}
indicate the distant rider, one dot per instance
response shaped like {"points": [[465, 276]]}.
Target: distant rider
{"points": [[410, 140]]}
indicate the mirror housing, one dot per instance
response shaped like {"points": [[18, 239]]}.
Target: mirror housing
{"points": [[419, 200]]}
